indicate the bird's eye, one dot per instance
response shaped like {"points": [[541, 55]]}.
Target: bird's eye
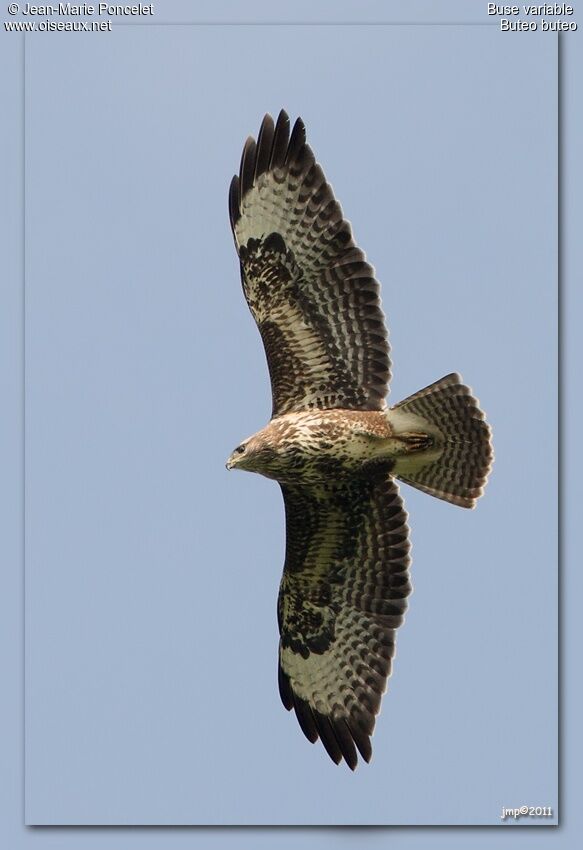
{"points": [[239, 450]]}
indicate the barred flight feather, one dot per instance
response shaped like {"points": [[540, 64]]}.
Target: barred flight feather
{"points": [[310, 289], [343, 595]]}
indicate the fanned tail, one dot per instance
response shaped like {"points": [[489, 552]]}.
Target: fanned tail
{"points": [[456, 466]]}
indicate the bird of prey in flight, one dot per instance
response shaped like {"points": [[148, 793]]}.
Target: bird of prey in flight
{"points": [[332, 444]]}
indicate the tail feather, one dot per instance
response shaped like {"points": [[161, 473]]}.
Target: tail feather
{"points": [[456, 467]]}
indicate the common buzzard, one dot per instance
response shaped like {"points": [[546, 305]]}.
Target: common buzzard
{"points": [[332, 444]]}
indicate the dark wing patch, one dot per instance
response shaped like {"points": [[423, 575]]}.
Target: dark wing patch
{"points": [[343, 594], [307, 284]]}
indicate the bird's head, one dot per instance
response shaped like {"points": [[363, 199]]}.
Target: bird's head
{"points": [[256, 454], [238, 457]]}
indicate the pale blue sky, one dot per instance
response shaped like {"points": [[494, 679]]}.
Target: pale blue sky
{"points": [[152, 574], [127, 652]]}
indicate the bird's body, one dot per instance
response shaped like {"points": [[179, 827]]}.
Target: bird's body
{"points": [[317, 444], [333, 445]]}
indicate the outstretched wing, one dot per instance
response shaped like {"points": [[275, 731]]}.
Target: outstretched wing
{"points": [[342, 596], [312, 293]]}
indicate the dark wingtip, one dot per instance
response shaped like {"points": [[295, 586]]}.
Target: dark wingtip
{"points": [[327, 736], [264, 145], [280, 140], [306, 719], [345, 742], [297, 141], [362, 740], [283, 118], [269, 151], [341, 738], [285, 690], [273, 149], [234, 197], [247, 171]]}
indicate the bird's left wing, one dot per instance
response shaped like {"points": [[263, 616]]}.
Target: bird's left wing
{"points": [[342, 596], [309, 287]]}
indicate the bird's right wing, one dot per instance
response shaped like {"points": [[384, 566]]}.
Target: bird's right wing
{"points": [[343, 595], [309, 287]]}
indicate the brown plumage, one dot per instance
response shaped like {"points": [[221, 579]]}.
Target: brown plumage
{"points": [[333, 445]]}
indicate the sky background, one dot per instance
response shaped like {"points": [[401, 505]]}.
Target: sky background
{"points": [[151, 572], [12, 543]]}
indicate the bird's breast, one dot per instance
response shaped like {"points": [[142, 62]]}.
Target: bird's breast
{"points": [[314, 445]]}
